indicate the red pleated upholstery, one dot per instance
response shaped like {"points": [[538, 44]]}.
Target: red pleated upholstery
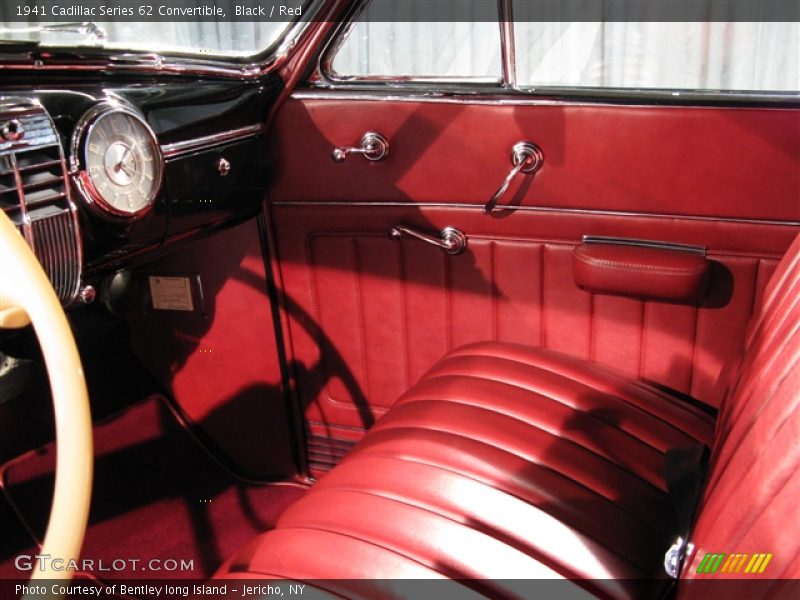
{"points": [[503, 462], [507, 462], [751, 499]]}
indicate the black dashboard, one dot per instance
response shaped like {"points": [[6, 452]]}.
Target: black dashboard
{"points": [[82, 185]]}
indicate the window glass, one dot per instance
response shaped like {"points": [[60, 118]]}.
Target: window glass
{"points": [[418, 49], [220, 38], [698, 56]]}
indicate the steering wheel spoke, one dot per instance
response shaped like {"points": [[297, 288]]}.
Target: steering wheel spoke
{"points": [[26, 296]]}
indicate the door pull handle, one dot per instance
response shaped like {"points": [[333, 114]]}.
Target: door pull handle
{"points": [[526, 158]]}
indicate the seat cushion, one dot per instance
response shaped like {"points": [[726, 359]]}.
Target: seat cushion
{"points": [[504, 462], [750, 503]]}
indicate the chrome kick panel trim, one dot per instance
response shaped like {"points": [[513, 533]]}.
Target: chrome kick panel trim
{"points": [[207, 142], [659, 245], [39, 201]]}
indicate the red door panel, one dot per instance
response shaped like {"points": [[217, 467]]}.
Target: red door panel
{"points": [[722, 162], [368, 315]]}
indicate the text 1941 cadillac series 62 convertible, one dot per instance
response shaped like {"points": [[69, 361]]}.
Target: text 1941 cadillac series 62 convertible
{"points": [[400, 299]]}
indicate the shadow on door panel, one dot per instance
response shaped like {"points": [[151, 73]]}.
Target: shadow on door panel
{"points": [[388, 309]]}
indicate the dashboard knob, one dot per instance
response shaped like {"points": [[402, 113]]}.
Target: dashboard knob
{"points": [[87, 294], [12, 131], [223, 167]]}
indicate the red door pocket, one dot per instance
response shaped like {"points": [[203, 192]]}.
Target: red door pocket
{"points": [[641, 269]]}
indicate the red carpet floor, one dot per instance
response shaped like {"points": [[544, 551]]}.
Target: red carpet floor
{"points": [[157, 495], [14, 540]]}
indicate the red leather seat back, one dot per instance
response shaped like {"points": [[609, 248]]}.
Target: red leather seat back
{"points": [[750, 504]]}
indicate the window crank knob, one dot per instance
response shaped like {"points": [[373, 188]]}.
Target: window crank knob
{"points": [[373, 146]]}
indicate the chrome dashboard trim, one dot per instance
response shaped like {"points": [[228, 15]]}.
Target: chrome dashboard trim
{"points": [[46, 235], [177, 149], [27, 230], [151, 64], [546, 209]]}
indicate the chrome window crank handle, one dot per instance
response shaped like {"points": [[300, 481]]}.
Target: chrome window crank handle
{"points": [[526, 158], [373, 146], [450, 240]]}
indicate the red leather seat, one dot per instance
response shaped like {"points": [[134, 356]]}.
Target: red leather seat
{"points": [[507, 462]]}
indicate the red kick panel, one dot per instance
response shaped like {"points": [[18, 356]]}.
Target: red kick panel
{"points": [[384, 311], [663, 159], [220, 364]]}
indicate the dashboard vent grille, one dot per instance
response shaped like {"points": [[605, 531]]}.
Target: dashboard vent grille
{"points": [[58, 254], [34, 193], [41, 176]]}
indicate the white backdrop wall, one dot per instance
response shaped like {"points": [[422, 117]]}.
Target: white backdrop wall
{"points": [[716, 56]]}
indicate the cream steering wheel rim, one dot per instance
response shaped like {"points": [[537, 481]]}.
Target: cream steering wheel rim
{"points": [[27, 296]]}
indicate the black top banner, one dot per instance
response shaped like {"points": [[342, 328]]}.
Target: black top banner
{"points": [[99, 11]]}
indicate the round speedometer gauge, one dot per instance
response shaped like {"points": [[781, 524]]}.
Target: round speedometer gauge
{"points": [[120, 163]]}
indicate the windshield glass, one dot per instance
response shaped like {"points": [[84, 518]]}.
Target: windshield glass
{"points": [[225, 36]]}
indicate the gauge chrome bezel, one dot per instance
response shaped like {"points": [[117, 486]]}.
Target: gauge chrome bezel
{"points": [[79, 147]]}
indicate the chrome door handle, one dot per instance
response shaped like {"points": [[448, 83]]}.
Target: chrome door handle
{"points": [[450, 240], [373, 146], [526, 158]]}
